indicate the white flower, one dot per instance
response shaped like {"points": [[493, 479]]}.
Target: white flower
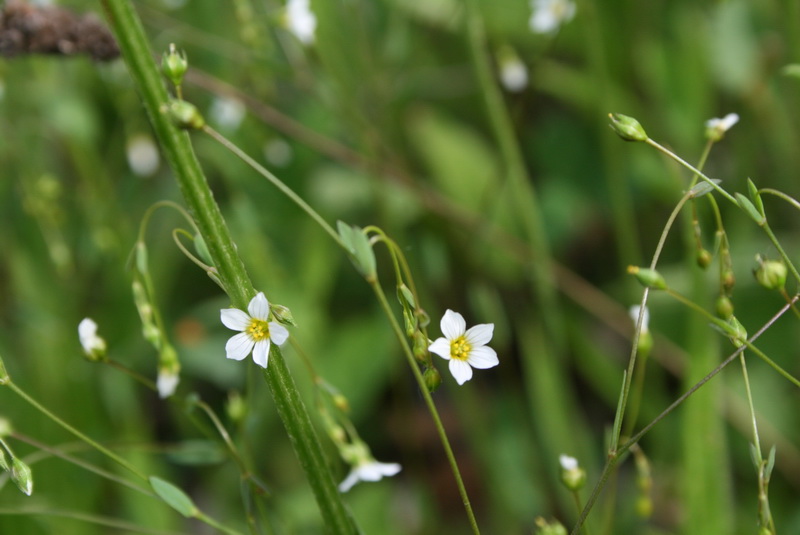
{"points": [[567, 462], [142, 154], [513, 74], [548, 15], [256, 331], [723, 124], [167, 382], [227, 112], [465, 349], [93, 345], [634, 313], [301, 21], [368, 470]]}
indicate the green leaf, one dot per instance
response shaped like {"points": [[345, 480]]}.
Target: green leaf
{"points": [[755, 196], [750, 210], [360, 249], [22, 476], [173, 496]]}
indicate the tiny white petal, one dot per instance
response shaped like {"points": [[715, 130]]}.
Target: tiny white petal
{"points": [[634, 313], [514, 75], [166, 384], [452, 325], [278, 333], [239, 346], [461, 371], [567, 462], [234, 319], [259, 307], [441, 347], [480, 335], [261, 352], [483, 357], [349, 481], [301, 21]]}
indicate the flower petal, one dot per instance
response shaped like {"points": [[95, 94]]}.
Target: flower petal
{"points": [[239, 346], [479, 335], [349, 481], [453, 325], [259, 307], [460, 370], [483, 357], [261, 353], [441, 347], [278, 333], [234, 319]]}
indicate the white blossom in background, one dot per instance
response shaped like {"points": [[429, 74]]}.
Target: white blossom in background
{"points": [[513, 74], [142, 154], [256, 331], [167, 382], [300, 20], [278, 152], [716, 128], [567, 462], [634, 313], [368, 470], [227, 112], [549, 15], [93, 345], [465, 349]]}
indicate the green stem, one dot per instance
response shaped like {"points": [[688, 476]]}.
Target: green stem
{"points": [[451, 458], [99, 447], [177, 149]]}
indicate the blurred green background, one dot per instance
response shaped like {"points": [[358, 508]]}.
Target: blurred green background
{"points": [[383, 121]]}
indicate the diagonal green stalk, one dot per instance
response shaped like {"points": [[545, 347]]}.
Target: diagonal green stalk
{"points": [[178, 151]]}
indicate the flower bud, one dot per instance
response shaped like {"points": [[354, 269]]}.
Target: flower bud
{"points": [[22, 476], [432, 379], [94, 346], [648, 277], [626, 127], [572, 476], [168, 371], [282, 315], [341, 403], [728, 280], [235, 408], [184, 115], [549, 528], [724, 307], [5, 428], [703, 258], [421, 344], [771, 274], [716, 128], [736, 332], [174, 65]]}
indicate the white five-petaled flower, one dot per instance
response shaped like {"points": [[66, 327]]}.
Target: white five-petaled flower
{"points": [[256, 331], [634, 312], [548, 15], [301, 21], [93, 345], [368, 470], [464, 348]]}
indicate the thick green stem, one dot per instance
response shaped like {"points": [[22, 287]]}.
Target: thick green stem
{"points": [[178, 151]]}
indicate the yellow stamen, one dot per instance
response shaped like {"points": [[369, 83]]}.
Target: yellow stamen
{"points": [[258, 330], [460, 348]]}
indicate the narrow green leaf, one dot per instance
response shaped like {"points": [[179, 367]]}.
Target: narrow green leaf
{"points": [[22, 476], [173, 496], [755, 196], [750, 210]]}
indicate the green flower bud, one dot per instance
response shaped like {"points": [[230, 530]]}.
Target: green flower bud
{"points": [[771, 274], [282, 315], [728, 281], [648, 277], [22, 476], [235, 408], [184, 115], [645, 345], [724, 307], [421, 344], [736, 332], [572, 476], [626, 127], [341, 403], [549, 528], [703, 258], [174, 65], [432, 379], [644, 506], [5, 428]]}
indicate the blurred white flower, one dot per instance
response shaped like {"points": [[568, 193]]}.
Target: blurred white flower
{"points": [[93, 345], [513, 74], [716, 128], [465, 349], [167, 382], [142, 153], [567, 462], [634, 313], [278, 152], [549, 15], [368, 470], [227, 112], [300, 20], [256, 331]]}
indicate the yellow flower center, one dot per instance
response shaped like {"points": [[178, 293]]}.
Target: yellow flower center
{"points": [[460, 348], [258, 330]]}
